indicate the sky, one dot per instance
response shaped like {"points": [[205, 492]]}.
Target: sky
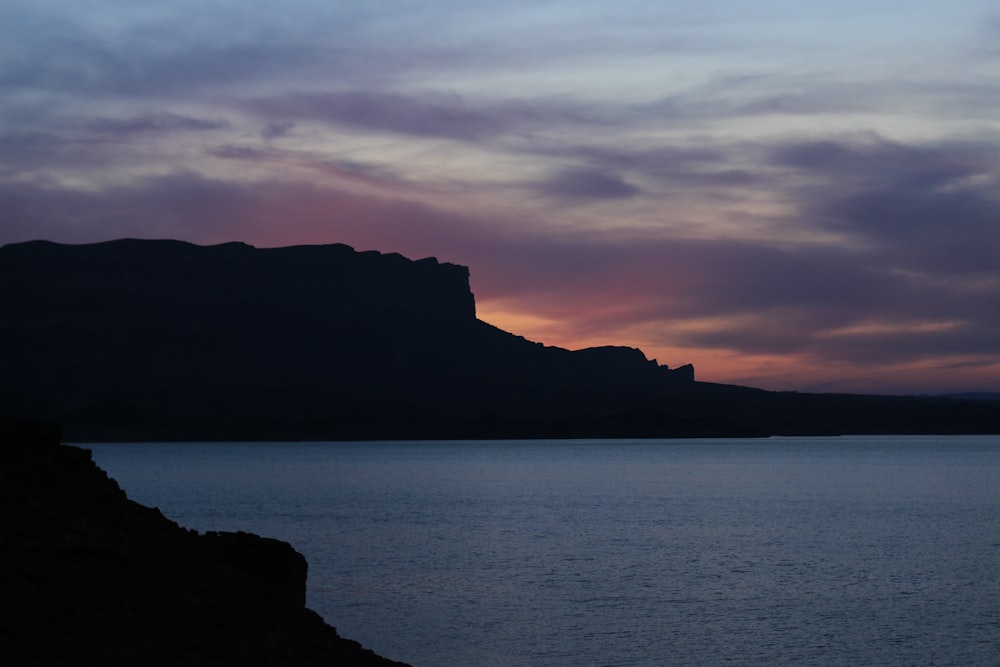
{"points": [[788, 195]]}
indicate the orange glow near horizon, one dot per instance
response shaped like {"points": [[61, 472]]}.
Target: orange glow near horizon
{"points": [[710, 365], [774, 372]]}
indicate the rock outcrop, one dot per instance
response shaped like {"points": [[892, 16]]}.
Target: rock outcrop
{"points": [[89, 577]]}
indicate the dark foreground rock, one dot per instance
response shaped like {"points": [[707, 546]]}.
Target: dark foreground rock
{"points": [[88, 577]]}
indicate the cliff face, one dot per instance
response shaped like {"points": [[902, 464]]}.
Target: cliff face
{"points": [[164, 320], [90, 577], [130, 279]]}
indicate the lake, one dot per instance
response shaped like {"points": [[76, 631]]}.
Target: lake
{"points": [[804, 551]]}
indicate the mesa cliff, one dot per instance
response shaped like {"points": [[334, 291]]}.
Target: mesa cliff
{"points": [[90, 577], [165, 340]]}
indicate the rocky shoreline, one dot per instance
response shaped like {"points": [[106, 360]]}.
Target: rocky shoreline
{"points": [[89, 577]]}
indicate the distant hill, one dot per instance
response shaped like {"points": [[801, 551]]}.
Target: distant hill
{"points": [[133, 339], [975, 396]]}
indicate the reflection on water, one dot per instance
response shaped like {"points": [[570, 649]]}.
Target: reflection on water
{"points": [[779, 551]]}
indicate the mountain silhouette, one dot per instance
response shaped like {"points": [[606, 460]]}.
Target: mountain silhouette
{"points": [[136, 339]]}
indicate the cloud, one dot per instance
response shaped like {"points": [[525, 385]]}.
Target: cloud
{"points": [[193, 207], [155, 122], [671, 167], [588, 184], [872, 160], [988, 38], [94, 147], [342, 170], [432, 116], [423, 114], [276, 129], [930, 209], [940, 233], [728, 98], [99, 56], [38, 153]]}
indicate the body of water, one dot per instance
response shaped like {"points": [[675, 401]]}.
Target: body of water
{"points": [[800, 551]]}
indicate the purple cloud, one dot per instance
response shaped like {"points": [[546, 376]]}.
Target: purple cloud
{"points": [[345, 170], [276, 129], [588, 184], [427, 114], [155, 122], [67, 58], [927, 209], [875, 160], [430, 116], [677, 167]]}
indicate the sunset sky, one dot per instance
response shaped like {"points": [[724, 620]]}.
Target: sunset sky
{"points": [[789, 195]]}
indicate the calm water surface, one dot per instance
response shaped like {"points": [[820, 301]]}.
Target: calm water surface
{"points": [[826, 551]]}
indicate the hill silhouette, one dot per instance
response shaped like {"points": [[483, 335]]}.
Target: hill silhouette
{"points": [[133, 340]]}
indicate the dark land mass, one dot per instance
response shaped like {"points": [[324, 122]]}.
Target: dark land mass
{"points": [[976, 396], [164, 340], [88, 577]]}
